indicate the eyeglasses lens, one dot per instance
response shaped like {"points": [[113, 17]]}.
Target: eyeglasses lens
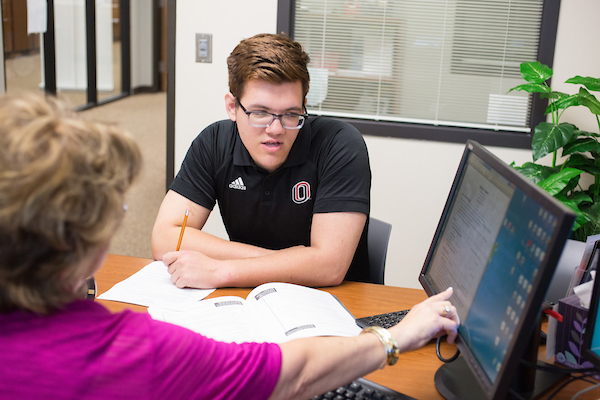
{"points": [[262, 120]]}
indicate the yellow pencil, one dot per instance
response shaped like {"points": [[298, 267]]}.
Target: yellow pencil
{"points": [[187, 211]]}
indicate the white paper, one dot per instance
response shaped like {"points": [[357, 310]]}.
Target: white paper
{"points": [[152, 287], [584, 291], [272, 312], [587, 254], [37, 16]]}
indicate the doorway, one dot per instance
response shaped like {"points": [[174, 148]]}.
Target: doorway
{"points": [[80, 56]]}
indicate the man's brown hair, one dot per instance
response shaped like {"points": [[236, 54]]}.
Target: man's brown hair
{"points": [[269, 57]]}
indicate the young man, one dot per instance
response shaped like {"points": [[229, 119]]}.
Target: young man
{"points": [[293, 191]]}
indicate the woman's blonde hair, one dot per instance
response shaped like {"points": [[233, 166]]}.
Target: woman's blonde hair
{"points": [[62, 186]]}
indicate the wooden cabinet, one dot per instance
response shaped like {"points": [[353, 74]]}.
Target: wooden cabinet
{"points": [[16, 39]]}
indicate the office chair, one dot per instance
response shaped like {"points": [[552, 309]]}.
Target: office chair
{"points": [[377, 242]]}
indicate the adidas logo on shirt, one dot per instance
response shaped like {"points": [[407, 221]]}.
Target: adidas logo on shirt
{"points": [[238, 184]]}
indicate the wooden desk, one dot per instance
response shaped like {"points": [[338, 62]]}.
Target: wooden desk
{"points": [[412, 375]]}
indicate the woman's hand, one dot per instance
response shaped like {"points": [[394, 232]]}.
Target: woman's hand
{"points": [[427, 320]]}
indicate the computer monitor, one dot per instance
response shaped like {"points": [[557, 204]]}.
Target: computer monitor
{"points": [[497, 244], [591, 337], [592, 264]]}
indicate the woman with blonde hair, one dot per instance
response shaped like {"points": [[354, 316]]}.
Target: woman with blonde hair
{"points": [[62, 188]]}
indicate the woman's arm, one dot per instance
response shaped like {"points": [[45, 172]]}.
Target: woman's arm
{"points": [[315, 365]]}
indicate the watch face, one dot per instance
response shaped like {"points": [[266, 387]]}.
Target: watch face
{"points": [[91, 288]]}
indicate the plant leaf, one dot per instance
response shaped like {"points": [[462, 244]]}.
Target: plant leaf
{"points": [[592, 213], [581, 217], [585, 133], [580, 197], [564, 102], [584, 163], [557, 182], [577, 160], [553, 95], [548, 137], [580, 146], [531, 88], [589, 100], [536, 172], [588, 82], [571, 186], [590, 169], [535, 72]]}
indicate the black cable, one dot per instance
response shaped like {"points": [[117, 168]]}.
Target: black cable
{"points": [[439, 354], [570, 380], [553, 368]]}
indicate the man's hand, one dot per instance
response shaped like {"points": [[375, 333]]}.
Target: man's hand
{"points": [[192, 269], [207, 261]]}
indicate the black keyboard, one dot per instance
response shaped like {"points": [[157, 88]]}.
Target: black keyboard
{"points": [[383, 320], [360, 389]]}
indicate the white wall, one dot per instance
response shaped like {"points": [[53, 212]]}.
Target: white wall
{"points": [[577, 45], [411, 178], [201, 87]]}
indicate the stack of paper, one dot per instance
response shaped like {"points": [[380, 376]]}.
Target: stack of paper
{"points": [[152, 287]]}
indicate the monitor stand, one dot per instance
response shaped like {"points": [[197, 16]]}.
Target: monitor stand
{"points": [[455, 380]]}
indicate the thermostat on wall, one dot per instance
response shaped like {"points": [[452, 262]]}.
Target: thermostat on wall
{"points": [[204, 47]]}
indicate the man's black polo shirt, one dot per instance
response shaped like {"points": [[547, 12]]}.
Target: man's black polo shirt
{"points": [[327, 170]]}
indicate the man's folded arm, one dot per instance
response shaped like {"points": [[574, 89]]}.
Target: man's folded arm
{"points": [[167, 228]]}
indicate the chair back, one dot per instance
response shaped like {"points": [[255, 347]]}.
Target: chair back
{"points": [[377, 242]]}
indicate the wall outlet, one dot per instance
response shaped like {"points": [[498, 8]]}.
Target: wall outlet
{"points": [[204, 47]]}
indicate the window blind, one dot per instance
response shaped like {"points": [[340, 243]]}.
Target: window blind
{"points": [[438, 62]]}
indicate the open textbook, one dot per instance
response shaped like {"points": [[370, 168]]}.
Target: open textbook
{"points": [[272, 312]]}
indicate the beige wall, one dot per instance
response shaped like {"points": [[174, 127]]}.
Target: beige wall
{"points": [[577, 53], [411, 178]]}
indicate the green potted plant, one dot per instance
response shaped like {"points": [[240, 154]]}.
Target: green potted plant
{"points": [[576, 181]]}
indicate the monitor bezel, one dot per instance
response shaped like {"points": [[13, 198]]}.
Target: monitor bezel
{"points": [[531, 312]]}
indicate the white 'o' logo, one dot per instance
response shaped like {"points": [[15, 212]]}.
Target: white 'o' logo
{"points": [[301, 192]]}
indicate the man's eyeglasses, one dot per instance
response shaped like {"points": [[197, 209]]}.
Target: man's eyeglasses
{"points": [[263, 119]]}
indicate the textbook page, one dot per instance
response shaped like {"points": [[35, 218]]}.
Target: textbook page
{"points": [[225, 318], [273, 312], [297, 311]]}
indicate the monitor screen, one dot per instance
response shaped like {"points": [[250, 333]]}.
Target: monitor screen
{"points": [[497, 244]]}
